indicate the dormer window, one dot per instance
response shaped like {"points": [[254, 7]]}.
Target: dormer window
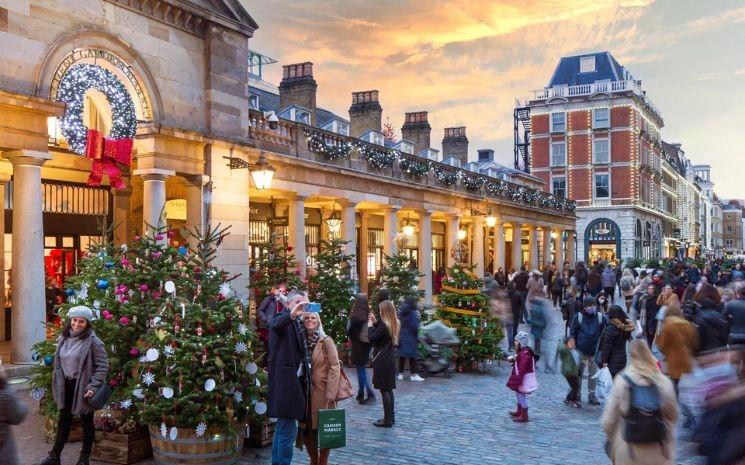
{"points": [[558, 122], [253, 101], [587, 64], [342, 128], [302, 116], [404, 146], [373, 137]]}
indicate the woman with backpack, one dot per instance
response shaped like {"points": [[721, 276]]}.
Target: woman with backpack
{"points": [[357, 333], [639, 418]]}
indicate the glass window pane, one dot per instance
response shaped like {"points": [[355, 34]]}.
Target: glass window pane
{"points": [[68, 242], [50, 241]]}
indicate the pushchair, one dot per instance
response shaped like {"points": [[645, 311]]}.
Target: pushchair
{"points": [[435, 342]]}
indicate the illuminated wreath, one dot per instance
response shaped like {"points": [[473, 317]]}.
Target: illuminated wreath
{"points": [[71, 91]]}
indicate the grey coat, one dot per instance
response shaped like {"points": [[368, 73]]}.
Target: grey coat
{"points": [[94, 364], [12, 412]]}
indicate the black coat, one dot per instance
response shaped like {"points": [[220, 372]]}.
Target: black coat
{"points": [[517, 306], [384, 365], [521, 281], [613, 345], [360, 350], [408, 336], [711, 325], [287, 393]]}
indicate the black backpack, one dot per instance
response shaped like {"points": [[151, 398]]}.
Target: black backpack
{"points": [[644, 422]]}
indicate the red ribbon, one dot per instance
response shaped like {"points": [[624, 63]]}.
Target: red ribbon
{"points": [[106, 153]]}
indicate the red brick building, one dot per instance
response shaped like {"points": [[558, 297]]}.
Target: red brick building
{"points": [[595, 138]]}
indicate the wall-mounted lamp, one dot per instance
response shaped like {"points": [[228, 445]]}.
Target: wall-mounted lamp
{"points": [[262, 172]]}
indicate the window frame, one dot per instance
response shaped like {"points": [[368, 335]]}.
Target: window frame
{"points": [[552, 124], [585, 59], [594, 151], [299, 112], [553, 186], [250, 97], [595, 186], [595, 124], [551, 154]]}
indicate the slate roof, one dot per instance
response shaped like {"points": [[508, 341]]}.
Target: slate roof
{"points": [[606, 68], [269, 101]]}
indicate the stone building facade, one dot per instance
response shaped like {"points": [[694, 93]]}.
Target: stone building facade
{"points": [[184, 64]]}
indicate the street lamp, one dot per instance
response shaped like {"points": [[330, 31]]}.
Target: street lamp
{"points": [[261, 172]]}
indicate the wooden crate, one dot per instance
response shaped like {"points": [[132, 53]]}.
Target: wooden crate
{"points": [[76, 430], [124, 448], [261, 435]]}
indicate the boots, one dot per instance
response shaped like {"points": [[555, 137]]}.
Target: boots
{"points": [[360, 397], [393, 409], [523, 417], [83, 460], [370, 398], [387, 420], [517, 412], [53, 459]]}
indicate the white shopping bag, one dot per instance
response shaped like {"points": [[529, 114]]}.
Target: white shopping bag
{"points": [[603, 383], [639, 330]]}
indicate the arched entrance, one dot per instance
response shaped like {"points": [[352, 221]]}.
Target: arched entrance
{"points": [[602, 241]]}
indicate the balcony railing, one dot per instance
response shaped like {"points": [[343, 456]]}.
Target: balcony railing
{"points": [[310, 143], [607, 87]]}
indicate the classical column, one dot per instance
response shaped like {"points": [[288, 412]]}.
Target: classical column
{"points": [[571, 252], [296, 230], [4, 180], [390, 229], [364, 246], [425, 253], [453, 225], [559, 249], [517, 245], [122, 217], [325, 231], [195, 211], [153, 197], [27, 281], [349, 227], [478, 246], [546, 246], [498, 245], [533, 246]]}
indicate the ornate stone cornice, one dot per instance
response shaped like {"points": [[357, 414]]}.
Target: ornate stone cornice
{"points": [[191, 17]]}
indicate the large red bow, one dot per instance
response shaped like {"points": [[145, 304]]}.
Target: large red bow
{"points": [[106, 153]]}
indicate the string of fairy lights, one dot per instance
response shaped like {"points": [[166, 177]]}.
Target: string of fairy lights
{"points": [[72, 90], [335, 148]]}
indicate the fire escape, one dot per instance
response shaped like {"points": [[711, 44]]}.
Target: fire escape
{"points": [[521, 116]]}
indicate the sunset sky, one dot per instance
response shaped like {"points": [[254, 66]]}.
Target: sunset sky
{"points": [[465, 61]]}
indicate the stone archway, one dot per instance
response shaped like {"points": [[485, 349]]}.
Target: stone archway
{"points": [[602, 231]]}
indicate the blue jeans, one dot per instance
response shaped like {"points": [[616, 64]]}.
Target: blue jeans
{"points": [[285, 433], [362, 381]]}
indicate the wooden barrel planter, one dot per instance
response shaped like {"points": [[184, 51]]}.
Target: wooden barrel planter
{"points": [[214, 448]]}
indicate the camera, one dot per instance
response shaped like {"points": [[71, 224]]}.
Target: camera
{"points": [[272, 119]]}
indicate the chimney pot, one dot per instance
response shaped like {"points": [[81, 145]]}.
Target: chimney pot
{"points": [[298, 88], [365, 114], [297, 70], [416, 128], [455, 144]]}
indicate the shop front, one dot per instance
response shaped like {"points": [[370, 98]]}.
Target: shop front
{"points": [[602, 241]]}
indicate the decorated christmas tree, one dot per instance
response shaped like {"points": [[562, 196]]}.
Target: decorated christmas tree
{"points": [[332, 286], [400, 275], [275, 266], [389, 133], [197, 369], [464, 307]]}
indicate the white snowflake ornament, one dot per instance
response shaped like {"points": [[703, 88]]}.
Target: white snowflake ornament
{"points": [[242, 329], [163, 430], [169, 351], [38, 393], [200, 429], [241, 348], [125, 404], [225, 289], [148, 378], [238, 396]]}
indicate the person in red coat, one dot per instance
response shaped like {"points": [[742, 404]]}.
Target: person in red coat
{"points": [[522, 379]]}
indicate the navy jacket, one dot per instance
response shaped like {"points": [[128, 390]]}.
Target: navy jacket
{"points": [[587, 333], [408, 335], [287, 391]]}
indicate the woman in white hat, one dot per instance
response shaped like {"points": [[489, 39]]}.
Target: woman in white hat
{"points": [[80, 368]]}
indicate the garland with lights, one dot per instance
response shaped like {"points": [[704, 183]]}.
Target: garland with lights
{"points": [[445, 176], [379, 157], [414, 167], [318, 144], [72, 89], [472, 182]]}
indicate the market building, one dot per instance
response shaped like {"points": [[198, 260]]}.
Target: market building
{"points": [[595, 136], [121, 113]]}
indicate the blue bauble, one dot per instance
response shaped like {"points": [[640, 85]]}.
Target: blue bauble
{"points": [[102, 284], [69, 292], [109, 264], [35, 356], [182, 250], [48, 360]]}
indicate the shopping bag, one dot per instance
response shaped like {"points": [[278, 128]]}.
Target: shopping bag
{"points": [[603, 383], [332, 429], [639, 330]]}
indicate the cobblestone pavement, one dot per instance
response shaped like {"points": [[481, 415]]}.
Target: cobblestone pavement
{"points": [[461, 420]]}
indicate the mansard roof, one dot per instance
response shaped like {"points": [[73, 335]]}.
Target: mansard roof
{"points": [[567, 72]]}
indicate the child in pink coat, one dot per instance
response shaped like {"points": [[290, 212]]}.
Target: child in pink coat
{"points": [[522, 379]]}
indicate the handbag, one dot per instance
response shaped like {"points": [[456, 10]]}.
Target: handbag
{"points": [[100, 398], [530, 382], [332, 428], [345, 390]]}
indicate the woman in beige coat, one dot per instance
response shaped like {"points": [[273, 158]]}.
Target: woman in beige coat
{"points": [[325, 373], [642, 370]]}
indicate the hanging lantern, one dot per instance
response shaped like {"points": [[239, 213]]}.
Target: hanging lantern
{"points": [[491, 220], [462, 234]]}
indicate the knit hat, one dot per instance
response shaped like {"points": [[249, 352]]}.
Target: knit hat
{"points": [[588, 302], [80, 311], [523, 338]]}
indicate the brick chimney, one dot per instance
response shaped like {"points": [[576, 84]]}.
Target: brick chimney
{"points": [[298, 88], [365, 113], [455, 144], [416, 129]]}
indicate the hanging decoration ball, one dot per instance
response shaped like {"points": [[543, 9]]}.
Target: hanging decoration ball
{"points": [[159, 237], [72, 91], [35, 356], [48, 360], [109, 264], [156, 255], [260, 408], [134, 352], [124, 262], [182, 250], [171, 233], [124, 321], [102, 284], [169, 287], [69, 292], [107, 315], [143, 288]]}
